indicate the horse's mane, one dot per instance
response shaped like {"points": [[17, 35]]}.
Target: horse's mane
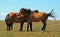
{"points": [[25, 11]]}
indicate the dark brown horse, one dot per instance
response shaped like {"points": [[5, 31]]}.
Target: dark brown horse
{"points": [[36, 16], [15, 17]]}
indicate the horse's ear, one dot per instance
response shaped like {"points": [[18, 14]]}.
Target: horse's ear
{"points": [[36, 11]]}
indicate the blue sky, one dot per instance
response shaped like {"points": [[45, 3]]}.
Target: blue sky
{"points": [[6, 6]]}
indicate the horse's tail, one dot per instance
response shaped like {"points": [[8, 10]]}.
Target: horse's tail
{"points": [[51, 14], [7, 17]]}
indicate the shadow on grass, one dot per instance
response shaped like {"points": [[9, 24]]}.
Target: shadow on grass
{"points": [[51, 31], [34, 31]]}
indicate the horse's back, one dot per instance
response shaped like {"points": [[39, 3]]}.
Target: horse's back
{"points": [[37, 15], [12, 14]]}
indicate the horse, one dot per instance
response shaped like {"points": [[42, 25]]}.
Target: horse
{"points": [[15, 17], [37, 17]]}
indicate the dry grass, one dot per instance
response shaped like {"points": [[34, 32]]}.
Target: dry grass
{"points": [[52, 30]]}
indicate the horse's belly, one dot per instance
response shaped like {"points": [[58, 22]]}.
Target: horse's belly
{"points": [[36, 20], [17, 21]]}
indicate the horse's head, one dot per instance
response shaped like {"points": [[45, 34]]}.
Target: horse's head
{"points": [[29, 11], [25, 11]]}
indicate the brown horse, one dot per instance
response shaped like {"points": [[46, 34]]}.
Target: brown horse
{"points": [[15, 17], [37, 17]]}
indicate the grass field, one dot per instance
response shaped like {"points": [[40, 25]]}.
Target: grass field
{"points": [[52, 30]]}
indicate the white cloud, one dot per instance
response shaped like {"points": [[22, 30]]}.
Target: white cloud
{"points": [[2, 15]]}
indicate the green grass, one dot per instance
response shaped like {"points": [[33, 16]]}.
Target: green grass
{"points": [[52, 30]]}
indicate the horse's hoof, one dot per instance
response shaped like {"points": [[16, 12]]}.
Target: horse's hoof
{"points": [[43, 30], [31, 30], [20, 30], [27, 30], [8, 30]]}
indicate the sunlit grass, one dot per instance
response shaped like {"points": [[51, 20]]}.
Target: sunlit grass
{"points": [[52, 30]]}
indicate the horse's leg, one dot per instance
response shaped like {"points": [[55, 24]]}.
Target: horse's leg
{"points": [[21, 26], [44, 26], [12, 26], [7, 27], [30, 26]]}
